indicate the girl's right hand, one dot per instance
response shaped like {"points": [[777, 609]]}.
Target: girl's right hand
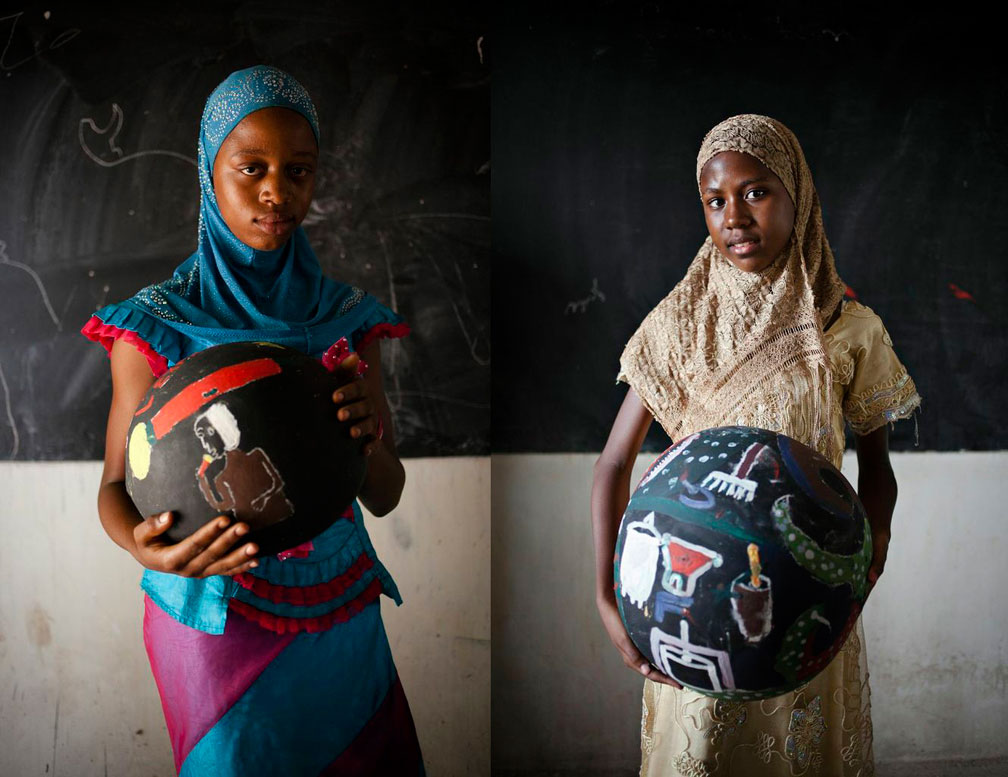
{"points": [[210, 550], [631, 656]]}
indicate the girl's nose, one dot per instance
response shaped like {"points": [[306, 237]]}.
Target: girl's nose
{"points": [[736, 214], [275, 189]]}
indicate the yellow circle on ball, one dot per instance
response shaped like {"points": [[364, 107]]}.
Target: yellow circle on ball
{"points": [[139, 451]]}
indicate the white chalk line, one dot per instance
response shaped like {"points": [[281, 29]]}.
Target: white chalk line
{"points": [[10, 412], [4, 259], [117, 121]]}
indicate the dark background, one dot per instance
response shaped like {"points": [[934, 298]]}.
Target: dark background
{"points": [[91, 215], [597, 119]]}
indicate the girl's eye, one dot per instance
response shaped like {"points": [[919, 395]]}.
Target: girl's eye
{"points": [[715, 203], [755, 194], [299, 172], [249, 169]]}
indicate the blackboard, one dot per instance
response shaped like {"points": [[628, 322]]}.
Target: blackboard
{"points": [[101, 112], [597, 119]]}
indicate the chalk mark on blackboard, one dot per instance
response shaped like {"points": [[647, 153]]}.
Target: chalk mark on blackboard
{"points": [[60, 40], [10, 412], [66, 306], [4, 259], [581, 305], [393, 351], [418, 216], [445, 398], [113, 127], [471, 341], [960, 293], [479, 48]]}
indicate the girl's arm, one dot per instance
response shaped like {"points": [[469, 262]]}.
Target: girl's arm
{"points": [[205, 552], [877, 490], [610, 494], [364, 400]]}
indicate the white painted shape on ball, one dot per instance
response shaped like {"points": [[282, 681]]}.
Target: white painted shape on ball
{"points": [[639, 560]]}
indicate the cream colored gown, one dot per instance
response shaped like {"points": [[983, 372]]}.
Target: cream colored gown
{"points": [[824, 728]]}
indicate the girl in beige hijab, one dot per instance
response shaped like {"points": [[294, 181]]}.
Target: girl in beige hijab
{"points": [[757, 334]]}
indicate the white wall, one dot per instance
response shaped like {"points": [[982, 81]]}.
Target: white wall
{"points": [[76, 694], [937, 624], [75, 688]]}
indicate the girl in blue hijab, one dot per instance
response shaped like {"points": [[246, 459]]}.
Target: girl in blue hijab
{"points": [[272, 665]]}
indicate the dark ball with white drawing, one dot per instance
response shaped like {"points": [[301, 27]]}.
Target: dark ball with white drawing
{"points": [[741, 563], [247, 430]]}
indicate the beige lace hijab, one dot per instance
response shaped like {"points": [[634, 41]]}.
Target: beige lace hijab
{"points": [[732, 347]]}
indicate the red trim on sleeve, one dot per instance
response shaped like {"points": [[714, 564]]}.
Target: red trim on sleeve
{"points": [[283, 625], [383, 330], [306, 595], [106, 334]]}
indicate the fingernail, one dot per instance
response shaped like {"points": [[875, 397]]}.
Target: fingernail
{"points": [[240, 530], [253, 565], [250, 550], [343, 415], [644, 668], [163, 518]]}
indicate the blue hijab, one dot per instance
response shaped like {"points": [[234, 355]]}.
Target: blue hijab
{"points": [[227, 291]]}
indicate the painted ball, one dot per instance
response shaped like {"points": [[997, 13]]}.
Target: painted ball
{"points": [[741, 563], [247, 430]]}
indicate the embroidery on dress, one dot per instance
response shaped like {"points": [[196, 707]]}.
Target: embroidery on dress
{"points": [[728, 717], [764, 747], [887, 401], [841, 359], [689, 766], [805, 733], [647, 741], [851, 753]]}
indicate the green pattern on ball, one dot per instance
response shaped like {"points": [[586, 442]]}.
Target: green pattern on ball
{"points": [[793, 647], [831, 568]]}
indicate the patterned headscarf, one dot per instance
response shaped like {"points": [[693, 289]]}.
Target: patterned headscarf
{"points": [[725, 341], [227, 291]]}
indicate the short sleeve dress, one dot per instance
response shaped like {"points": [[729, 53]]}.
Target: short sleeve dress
{"points": [[823, 728]]}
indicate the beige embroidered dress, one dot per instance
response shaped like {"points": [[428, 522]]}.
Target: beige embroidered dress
{"points": [[823, 728]]}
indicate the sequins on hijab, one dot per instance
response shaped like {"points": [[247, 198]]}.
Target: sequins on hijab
{"points": [[227, 291]]}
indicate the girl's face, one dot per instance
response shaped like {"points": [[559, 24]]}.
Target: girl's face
{"points": [[264, 176], [748, 211]]}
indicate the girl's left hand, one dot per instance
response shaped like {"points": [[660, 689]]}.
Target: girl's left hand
{"points": [[355, 403]]}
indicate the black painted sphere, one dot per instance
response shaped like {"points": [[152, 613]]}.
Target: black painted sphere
{"points": [[741, 562], [247, 430]]}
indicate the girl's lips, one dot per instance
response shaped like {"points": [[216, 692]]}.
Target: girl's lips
{"points": [[275, 225], [744, 248]]}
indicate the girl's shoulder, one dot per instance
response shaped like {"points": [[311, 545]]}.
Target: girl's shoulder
{"points": [[857, 332], [859, 324], [875, 386]]}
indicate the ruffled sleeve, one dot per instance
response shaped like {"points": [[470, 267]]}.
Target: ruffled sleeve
{"points": [[880, 389], [381, 323], [160, 345]]}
